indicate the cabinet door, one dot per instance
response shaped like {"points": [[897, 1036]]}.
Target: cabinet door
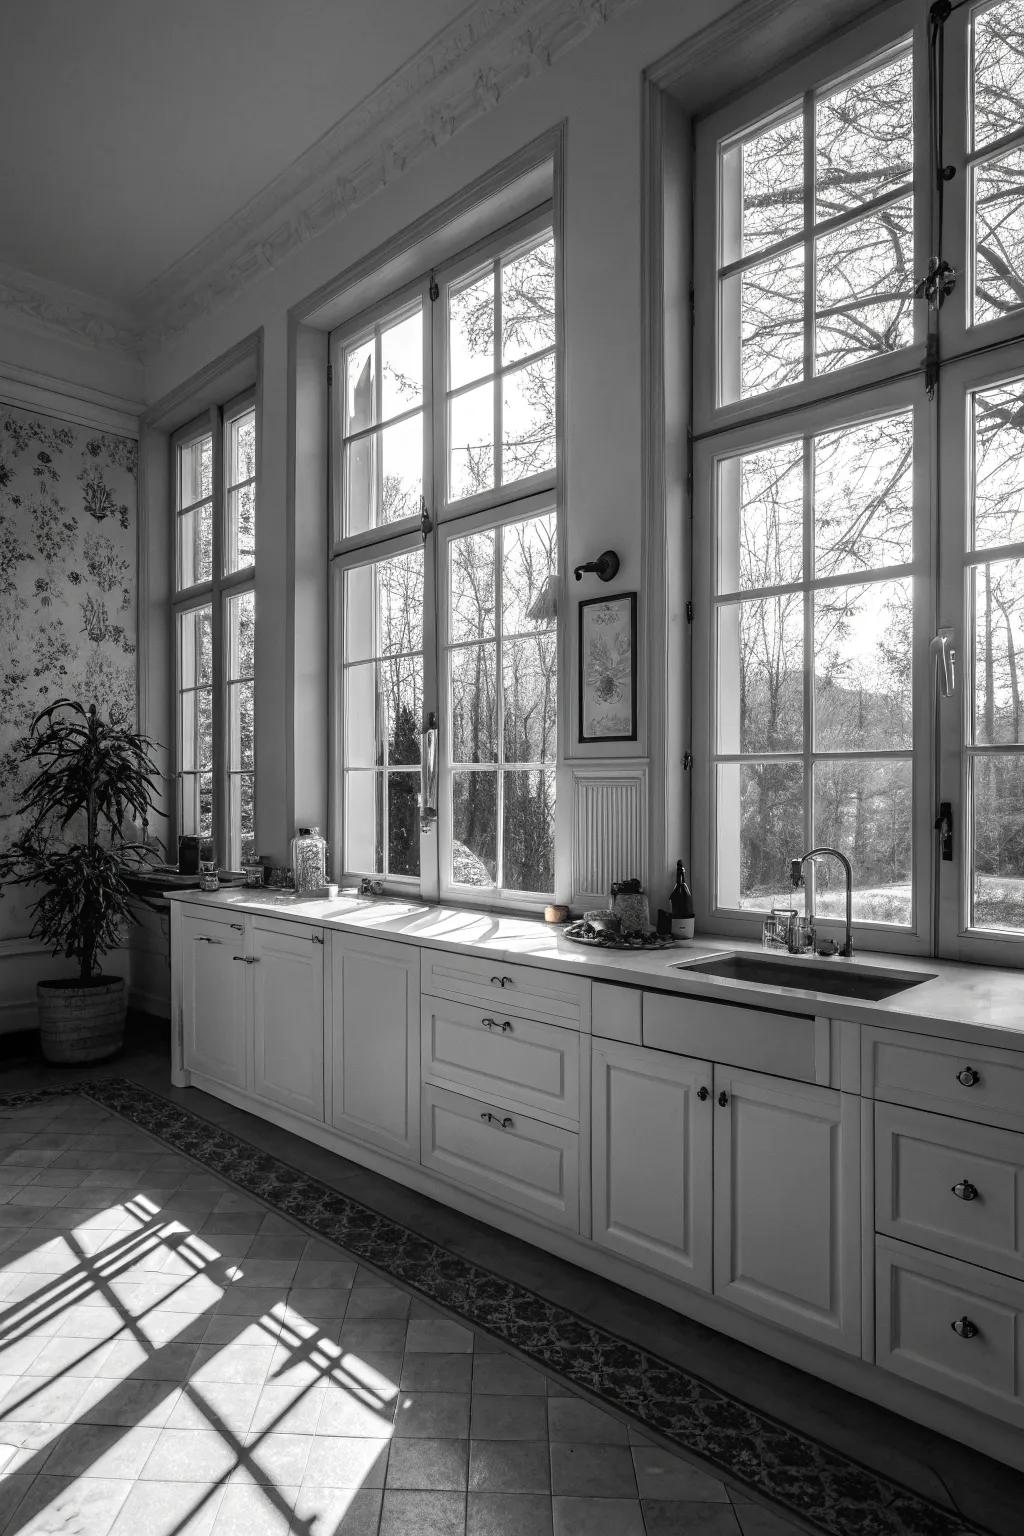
{"points": [[215, 998], [651, 1171], [288, 1016], [787, 1204], [376, 1042]]}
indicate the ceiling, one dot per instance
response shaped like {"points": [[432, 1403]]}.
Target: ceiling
{"points": [[131, 130]]}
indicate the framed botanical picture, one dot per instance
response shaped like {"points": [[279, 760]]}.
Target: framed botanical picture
{"points": [[607, 667]]}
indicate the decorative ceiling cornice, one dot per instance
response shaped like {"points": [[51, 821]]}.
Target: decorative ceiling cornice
{"points": [[461, 74], [79, 317], [464, 72]]}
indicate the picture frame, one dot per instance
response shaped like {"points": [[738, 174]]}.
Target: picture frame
{"points": [[606, 665]]}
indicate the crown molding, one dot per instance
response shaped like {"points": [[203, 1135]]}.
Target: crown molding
{"points": [[78, 317], [463, 73], [79, 403]]}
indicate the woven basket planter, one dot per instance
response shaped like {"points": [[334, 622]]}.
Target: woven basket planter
{"points": [[81, 1021]]}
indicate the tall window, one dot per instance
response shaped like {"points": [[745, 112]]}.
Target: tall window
{"points": [[859, 471], [214, 471], [447, 577]]}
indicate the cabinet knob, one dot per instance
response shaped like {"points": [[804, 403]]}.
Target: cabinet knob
{"points": [[964, 1327], [488, 1023], [965, 1190], [702, 1094], [723, 1098], [968, 1077], [316, 938]]}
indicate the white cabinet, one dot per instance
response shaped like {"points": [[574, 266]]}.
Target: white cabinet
{"points": [[214, 997], [375, 1042], [288, 1016], [775, 1229], [787, 1204], [651, 1168], [515, 1159]]}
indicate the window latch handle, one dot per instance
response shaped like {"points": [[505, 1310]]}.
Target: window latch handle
{"points": [[428, 775], [943, 651]]}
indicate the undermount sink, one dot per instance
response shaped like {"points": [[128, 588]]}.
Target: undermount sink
{"points": [[835, 976]]}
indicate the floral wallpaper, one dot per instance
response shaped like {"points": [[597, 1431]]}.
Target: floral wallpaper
{"points": [[68, 528]]}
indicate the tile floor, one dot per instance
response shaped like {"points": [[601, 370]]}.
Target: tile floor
{"points": [[177, 1361]]}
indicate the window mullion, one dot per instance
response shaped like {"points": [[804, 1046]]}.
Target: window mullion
{"points": [[809, 657], [809, 210], [499, 706], [218, 635]]}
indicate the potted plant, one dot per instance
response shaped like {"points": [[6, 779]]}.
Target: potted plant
{"points": [[91, 776]]}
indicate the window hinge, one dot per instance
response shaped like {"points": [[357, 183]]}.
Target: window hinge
{"points": [[687, 761], [689, 613], [693, 307], [426, 524], [434, 291], [330, 375], [944, 827]]}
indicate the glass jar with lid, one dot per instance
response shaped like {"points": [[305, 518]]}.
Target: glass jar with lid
{"points": [[309, 861]]}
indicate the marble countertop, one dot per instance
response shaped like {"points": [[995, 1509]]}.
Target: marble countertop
{"points": [[970, 1002]]}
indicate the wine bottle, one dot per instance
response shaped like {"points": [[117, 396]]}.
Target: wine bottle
{"points": [[680, 903]]}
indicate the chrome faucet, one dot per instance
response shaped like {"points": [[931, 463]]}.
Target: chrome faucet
{"points": [[796, 871]]}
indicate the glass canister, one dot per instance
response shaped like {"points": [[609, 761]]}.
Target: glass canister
{"points": [[309, 861], [630, 906]]}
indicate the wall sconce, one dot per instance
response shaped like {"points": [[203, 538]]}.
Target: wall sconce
{"points": [[605, 567]]}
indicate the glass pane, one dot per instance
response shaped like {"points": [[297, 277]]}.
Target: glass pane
{"points": [[760, 824], [401, 680], [195, 647], [241, 727], [864, 496], [528, 420], [364, 823], [998, 600], [195, 471], [471, 600], [863, 644], [241, 635], [762, 326], [195, 729], [998, 842], [359, 387], [528, 831], [242, 448], [528, 670], [761, 518], [998, 34], [471, 443], [529, 575], [865, 809], [403, 823], [998, 435], [474, 828], [473, 703], [242, 812], [359, 477], [471, 330], [401, 366], [765, 174], [384, 607], [864, 138], [865, 288], [402, 470], [195, 804], [364, 721], [760, 675], [528, 303], [195, 546], [999, 236], [240, 544]]}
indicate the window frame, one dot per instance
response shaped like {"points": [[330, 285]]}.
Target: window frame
{"points": [[973, 356], [499, 505], [214, 593]]}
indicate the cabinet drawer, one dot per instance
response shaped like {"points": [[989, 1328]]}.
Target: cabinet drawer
{"points": [[977, 1082], [531, 992], [786, 1044], [531, 1063], [512, 1159], [918, 1298], [951, 1186]]}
